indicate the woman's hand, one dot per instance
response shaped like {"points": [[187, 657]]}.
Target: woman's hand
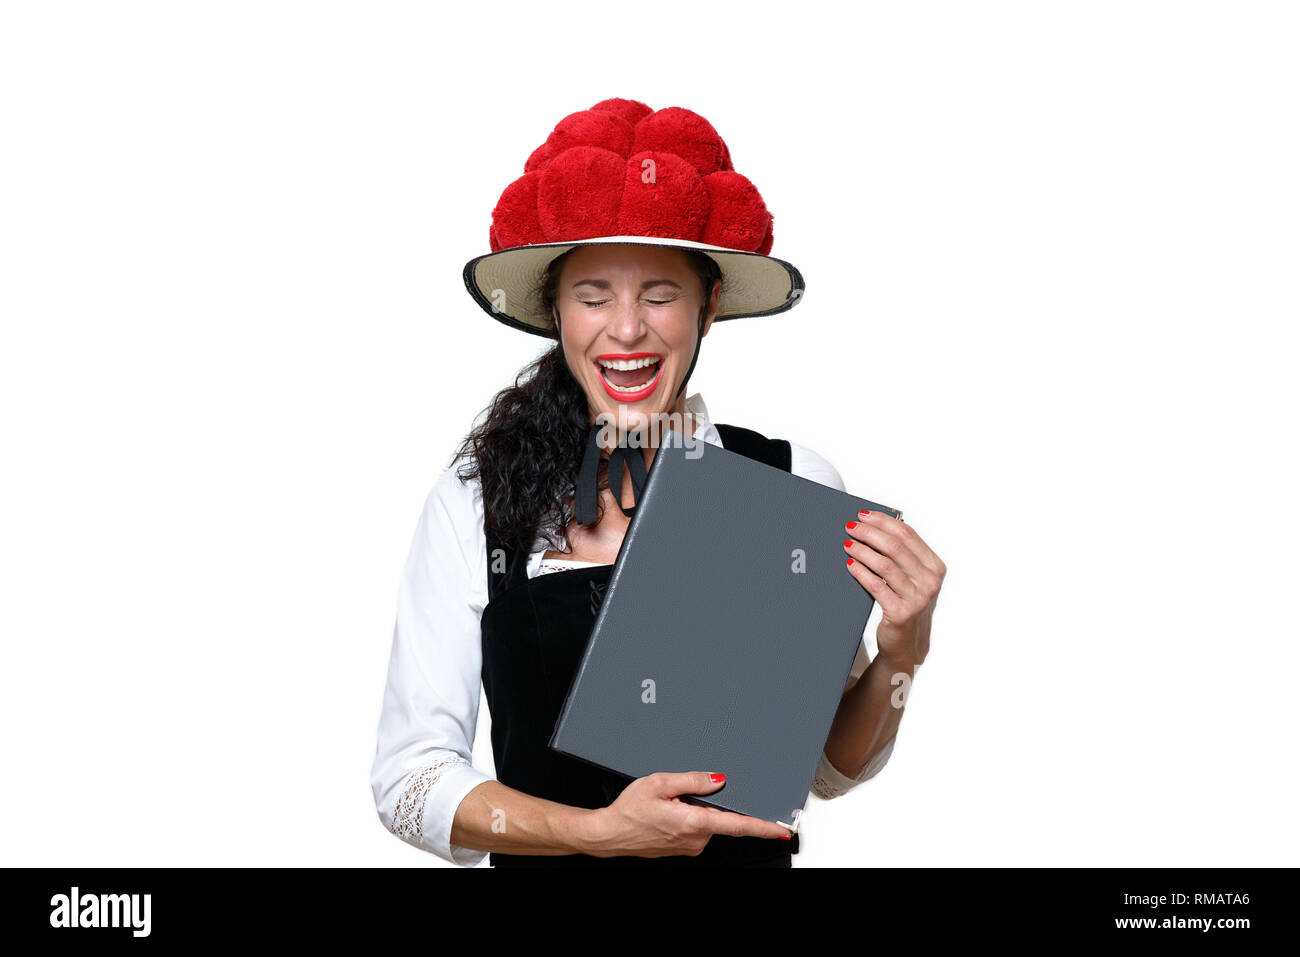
{"points": [[649, 820], [903, 574]]}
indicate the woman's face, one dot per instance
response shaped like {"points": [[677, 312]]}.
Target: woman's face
{"points": [[632, 306]]}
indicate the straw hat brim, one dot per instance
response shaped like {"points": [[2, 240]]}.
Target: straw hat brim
{"points": [[506, 283]]}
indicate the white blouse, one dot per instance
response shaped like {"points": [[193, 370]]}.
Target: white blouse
{"points": [[422, 768]]}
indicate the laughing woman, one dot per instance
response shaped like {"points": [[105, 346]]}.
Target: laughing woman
{"points": [[628, 235]]}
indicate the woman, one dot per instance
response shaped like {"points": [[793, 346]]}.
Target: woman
{"points": [[629, 234]]}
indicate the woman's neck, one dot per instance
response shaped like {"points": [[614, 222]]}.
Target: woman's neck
{"points": [[650, 433]]}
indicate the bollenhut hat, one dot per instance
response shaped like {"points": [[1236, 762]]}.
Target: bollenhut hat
{"points": [[621, 173]]}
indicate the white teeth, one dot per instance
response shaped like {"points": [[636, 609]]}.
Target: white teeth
{"points": [[627, 365], [625, 388]]}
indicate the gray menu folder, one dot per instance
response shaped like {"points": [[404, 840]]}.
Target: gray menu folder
{"points": [[727, 632]]}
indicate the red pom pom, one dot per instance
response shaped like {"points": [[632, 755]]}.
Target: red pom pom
{"points": [[590, 178], [689, 135], [537, 159], [664, 197], [606, 131], [579, 193], [632, 111], [514, 220], [738, 218]]}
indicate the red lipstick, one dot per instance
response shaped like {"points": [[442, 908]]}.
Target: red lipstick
{"points": [[639, 394]]}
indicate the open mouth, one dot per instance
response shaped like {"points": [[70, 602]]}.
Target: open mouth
{"points": [[630, 377]]}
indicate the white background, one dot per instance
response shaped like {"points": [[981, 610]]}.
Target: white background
{"points": [[1051, 252]]}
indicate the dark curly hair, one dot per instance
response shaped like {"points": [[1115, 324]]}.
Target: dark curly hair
{"points": [[527, 450]]}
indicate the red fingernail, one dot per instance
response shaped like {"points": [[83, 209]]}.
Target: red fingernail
{"points": [[849, 561], [715, 778], [848, 543], [860, 514], [785, 837], [850, 525]]}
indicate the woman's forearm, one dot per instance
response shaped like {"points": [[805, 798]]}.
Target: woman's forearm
{"points": [[869, 714], [493, 817]]}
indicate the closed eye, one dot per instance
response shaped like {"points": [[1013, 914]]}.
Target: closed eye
{"points": [[593, 303]]}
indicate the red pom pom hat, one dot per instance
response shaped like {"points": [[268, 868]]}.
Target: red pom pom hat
{"points": [[621, 173]]}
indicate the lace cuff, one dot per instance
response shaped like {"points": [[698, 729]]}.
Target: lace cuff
{"points": [[427, 806], [830, 783]]}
